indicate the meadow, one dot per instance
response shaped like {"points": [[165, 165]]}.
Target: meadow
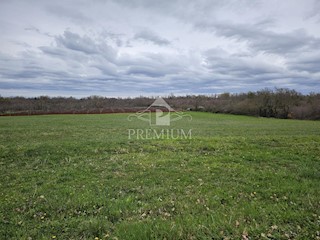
{"points": [[80, 177]]}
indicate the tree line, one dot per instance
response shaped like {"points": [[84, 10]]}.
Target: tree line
{"points": [[277, 103]]}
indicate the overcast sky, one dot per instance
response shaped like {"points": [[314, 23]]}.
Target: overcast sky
{"points": [[157, 47]]}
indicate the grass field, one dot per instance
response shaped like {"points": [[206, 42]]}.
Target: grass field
{"points": [[80, 177]]}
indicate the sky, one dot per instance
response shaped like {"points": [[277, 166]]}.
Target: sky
{"points": [[128, 48]]}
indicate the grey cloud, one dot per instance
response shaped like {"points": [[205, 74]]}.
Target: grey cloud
{"points": [[68, 12], [285, 43], [183, 9], [83, 53], [37, 30], [150, 36], [249, 73], [152, 65], [314, 12], [306, 62], [309, 66], [116, 38], [84, 44], [152, 70], [220, 62], [16, 68], [34, 29], [105, 51], [263, 40], [56, 52], [147, 71]]}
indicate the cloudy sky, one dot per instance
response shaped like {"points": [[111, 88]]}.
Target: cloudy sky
{"points": [[151, 47]]}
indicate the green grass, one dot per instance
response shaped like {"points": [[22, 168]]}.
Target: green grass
{"points": [[79, 177]]}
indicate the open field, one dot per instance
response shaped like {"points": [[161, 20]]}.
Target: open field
{"points": [[80, 177]]}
